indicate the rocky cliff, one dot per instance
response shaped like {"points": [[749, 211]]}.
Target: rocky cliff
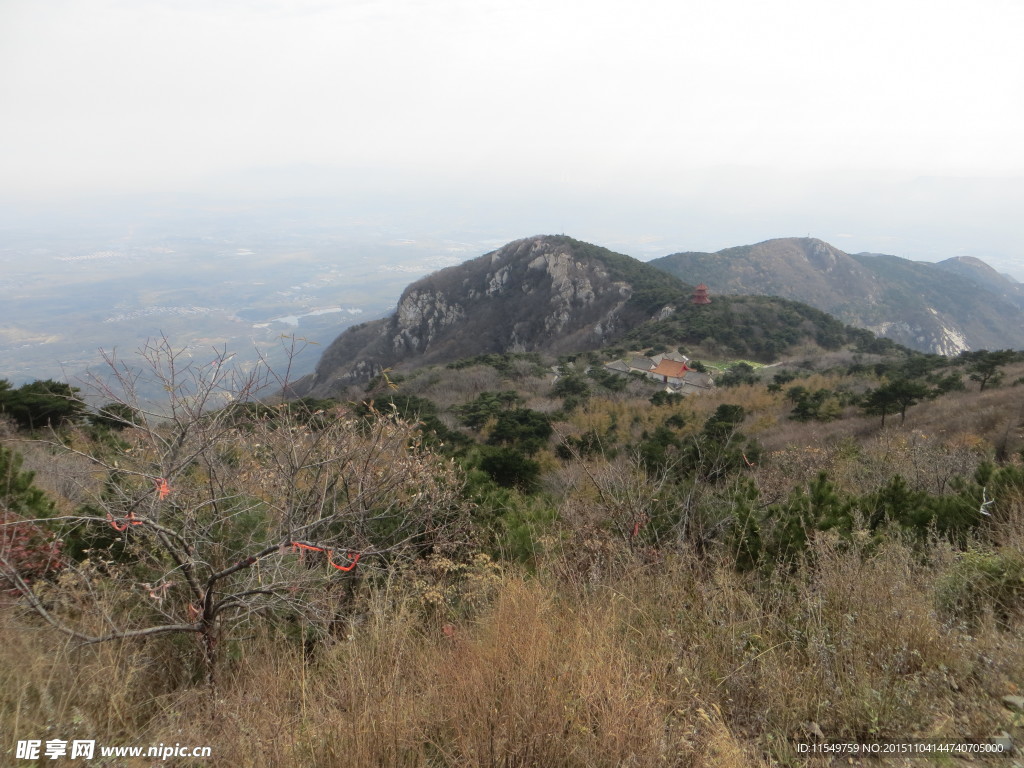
{"points": [[535, 294]]}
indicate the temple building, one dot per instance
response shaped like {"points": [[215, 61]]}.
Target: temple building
{"points": [[700, 295]]}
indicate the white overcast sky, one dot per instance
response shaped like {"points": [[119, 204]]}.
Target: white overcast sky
{"points": [[102, 96]]}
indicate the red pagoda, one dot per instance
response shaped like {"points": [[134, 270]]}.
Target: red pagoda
{"points": [[700, 295]]}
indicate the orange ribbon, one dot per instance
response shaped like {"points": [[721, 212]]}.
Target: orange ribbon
{"points": [[130, 520], [330, 555]]}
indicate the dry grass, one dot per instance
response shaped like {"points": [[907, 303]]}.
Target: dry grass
{"points": [[49, 689], [603, 656], [680, 663]]}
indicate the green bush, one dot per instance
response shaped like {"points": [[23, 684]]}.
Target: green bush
{"points": [[42, 404], [486, 406], [509, 467], [820, 405], [613, 382], [724, 420], [526, 429], [741, 373], [32, 550], [982, 580], [18, 494], [661, 397], [116, 416], [659, 450], [571, 386], [415, 410]]}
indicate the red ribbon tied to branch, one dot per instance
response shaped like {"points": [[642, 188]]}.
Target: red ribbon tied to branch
{"points": [[129, 520], [330, 555]]}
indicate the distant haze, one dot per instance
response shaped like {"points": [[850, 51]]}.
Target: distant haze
{"points": [[886, 125], [917, 217]]}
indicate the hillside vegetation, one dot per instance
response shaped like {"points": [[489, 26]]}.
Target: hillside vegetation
{"points": [[957, 305], [511, 559], [554, 295]]}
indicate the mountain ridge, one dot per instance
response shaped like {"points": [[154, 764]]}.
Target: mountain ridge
{"points": [[947, 308], [556, 295]]}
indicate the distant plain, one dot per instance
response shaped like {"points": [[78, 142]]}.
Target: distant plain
{"points": [[227, 284]]}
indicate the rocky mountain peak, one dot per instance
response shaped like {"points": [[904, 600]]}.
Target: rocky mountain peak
{"points": [[538, 293]]}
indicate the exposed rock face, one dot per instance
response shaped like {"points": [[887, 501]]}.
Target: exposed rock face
{"points": [[937, 337], [944, 308], [532, 294], [420, 318]]}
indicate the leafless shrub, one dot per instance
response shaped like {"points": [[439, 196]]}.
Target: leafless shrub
{"points": [[223, 509]]}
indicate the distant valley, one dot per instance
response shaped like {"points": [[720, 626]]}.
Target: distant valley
{"points": [[63, 297]]}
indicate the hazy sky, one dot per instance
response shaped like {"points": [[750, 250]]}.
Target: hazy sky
{"points": [[749, 107]]}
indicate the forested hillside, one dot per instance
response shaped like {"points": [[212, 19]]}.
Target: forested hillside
{"points": [[946, 308]]}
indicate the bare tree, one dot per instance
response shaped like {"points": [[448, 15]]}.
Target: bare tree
{"points": [[216, 507]]}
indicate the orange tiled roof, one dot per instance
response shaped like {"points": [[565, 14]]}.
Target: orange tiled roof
{"points": [[670, 368]]}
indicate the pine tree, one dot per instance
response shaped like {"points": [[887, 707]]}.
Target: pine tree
{"points": [[25, 548], [17, 493]]}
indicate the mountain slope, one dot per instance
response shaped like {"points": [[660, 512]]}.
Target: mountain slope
{"points": [[556, 295], [932, 308], [981, 273], [531, 294]]}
